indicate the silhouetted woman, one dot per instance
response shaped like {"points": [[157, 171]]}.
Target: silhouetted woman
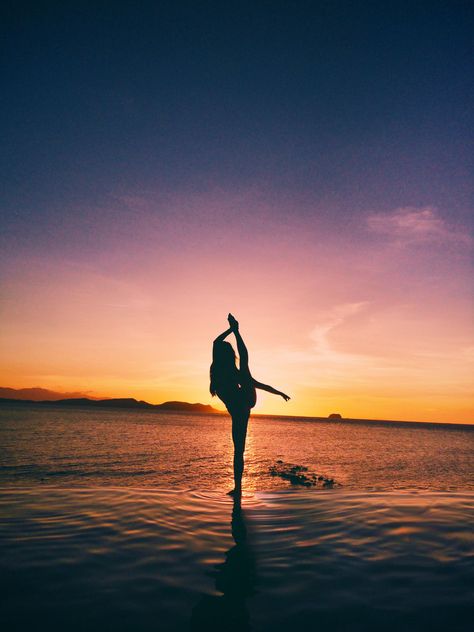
{"points": [[236, 388]]}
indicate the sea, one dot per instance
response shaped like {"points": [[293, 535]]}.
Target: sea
{"points": [[119, 520], [97, 448]]}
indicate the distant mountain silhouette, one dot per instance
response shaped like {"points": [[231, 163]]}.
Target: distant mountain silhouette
{"points": [[121, 402], [126, 402], [39, 394]]}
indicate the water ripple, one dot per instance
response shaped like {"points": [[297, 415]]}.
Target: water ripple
{"points": [[141, 559]]}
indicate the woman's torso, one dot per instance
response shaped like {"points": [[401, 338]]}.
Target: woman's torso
{"points": [[238, 392]]}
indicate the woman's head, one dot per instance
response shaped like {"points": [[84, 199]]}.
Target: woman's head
{"points": [[223, 365], [223, 354]]}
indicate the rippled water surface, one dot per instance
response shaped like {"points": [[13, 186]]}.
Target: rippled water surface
{"points": [[132, 559], [149, 449], [113, 520]]}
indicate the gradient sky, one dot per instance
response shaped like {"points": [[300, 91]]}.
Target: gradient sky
{"points": [[307, 166]]}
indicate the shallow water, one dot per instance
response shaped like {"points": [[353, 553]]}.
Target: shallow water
{"points": [[88, 447], [118, 520], [135, 559]]}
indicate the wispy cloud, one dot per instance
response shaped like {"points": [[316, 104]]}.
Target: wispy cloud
{"points": [[330, 363], [323, 364], [331, 366], [415, 224], [329, 321]]}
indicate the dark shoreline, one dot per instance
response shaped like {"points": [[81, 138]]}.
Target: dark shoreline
{"points": [[127, 403], [401, 422], [203, 409]]}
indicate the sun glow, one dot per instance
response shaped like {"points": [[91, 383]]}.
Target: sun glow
{"points": [[382, 336]]}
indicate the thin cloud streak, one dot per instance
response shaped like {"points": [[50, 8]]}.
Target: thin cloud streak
{"points": [[414, 225]]}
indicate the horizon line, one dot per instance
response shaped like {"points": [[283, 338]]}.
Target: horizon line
{"points": [[223, 412]]}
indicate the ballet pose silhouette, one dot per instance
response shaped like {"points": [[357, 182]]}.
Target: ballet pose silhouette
{"points": [[237, 389]]}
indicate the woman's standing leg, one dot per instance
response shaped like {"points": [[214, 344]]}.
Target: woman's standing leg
{"points": [[239, 434]]}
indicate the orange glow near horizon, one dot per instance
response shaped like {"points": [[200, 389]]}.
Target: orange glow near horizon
{"points": [[375, 326]]}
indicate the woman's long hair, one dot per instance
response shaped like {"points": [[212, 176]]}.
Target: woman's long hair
{"points": [[223, 369]]}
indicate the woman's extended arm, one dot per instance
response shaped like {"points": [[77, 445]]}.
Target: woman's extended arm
{"points": [[220, 338], [223, 335], [270, 389]]}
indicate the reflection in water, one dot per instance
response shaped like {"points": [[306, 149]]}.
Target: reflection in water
{"points": [[235, 578], [131, 560]]}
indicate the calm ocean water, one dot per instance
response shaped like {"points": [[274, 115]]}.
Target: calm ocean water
{"points": [[146, 449], [111, 520]]}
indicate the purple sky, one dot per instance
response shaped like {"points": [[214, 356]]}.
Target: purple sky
{"points": [[308, 167]]}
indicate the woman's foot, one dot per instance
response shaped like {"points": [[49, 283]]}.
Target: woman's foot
{"points": [[233, 324]]}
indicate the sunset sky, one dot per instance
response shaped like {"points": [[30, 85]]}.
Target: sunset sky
{"points": [[306, 166]]}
